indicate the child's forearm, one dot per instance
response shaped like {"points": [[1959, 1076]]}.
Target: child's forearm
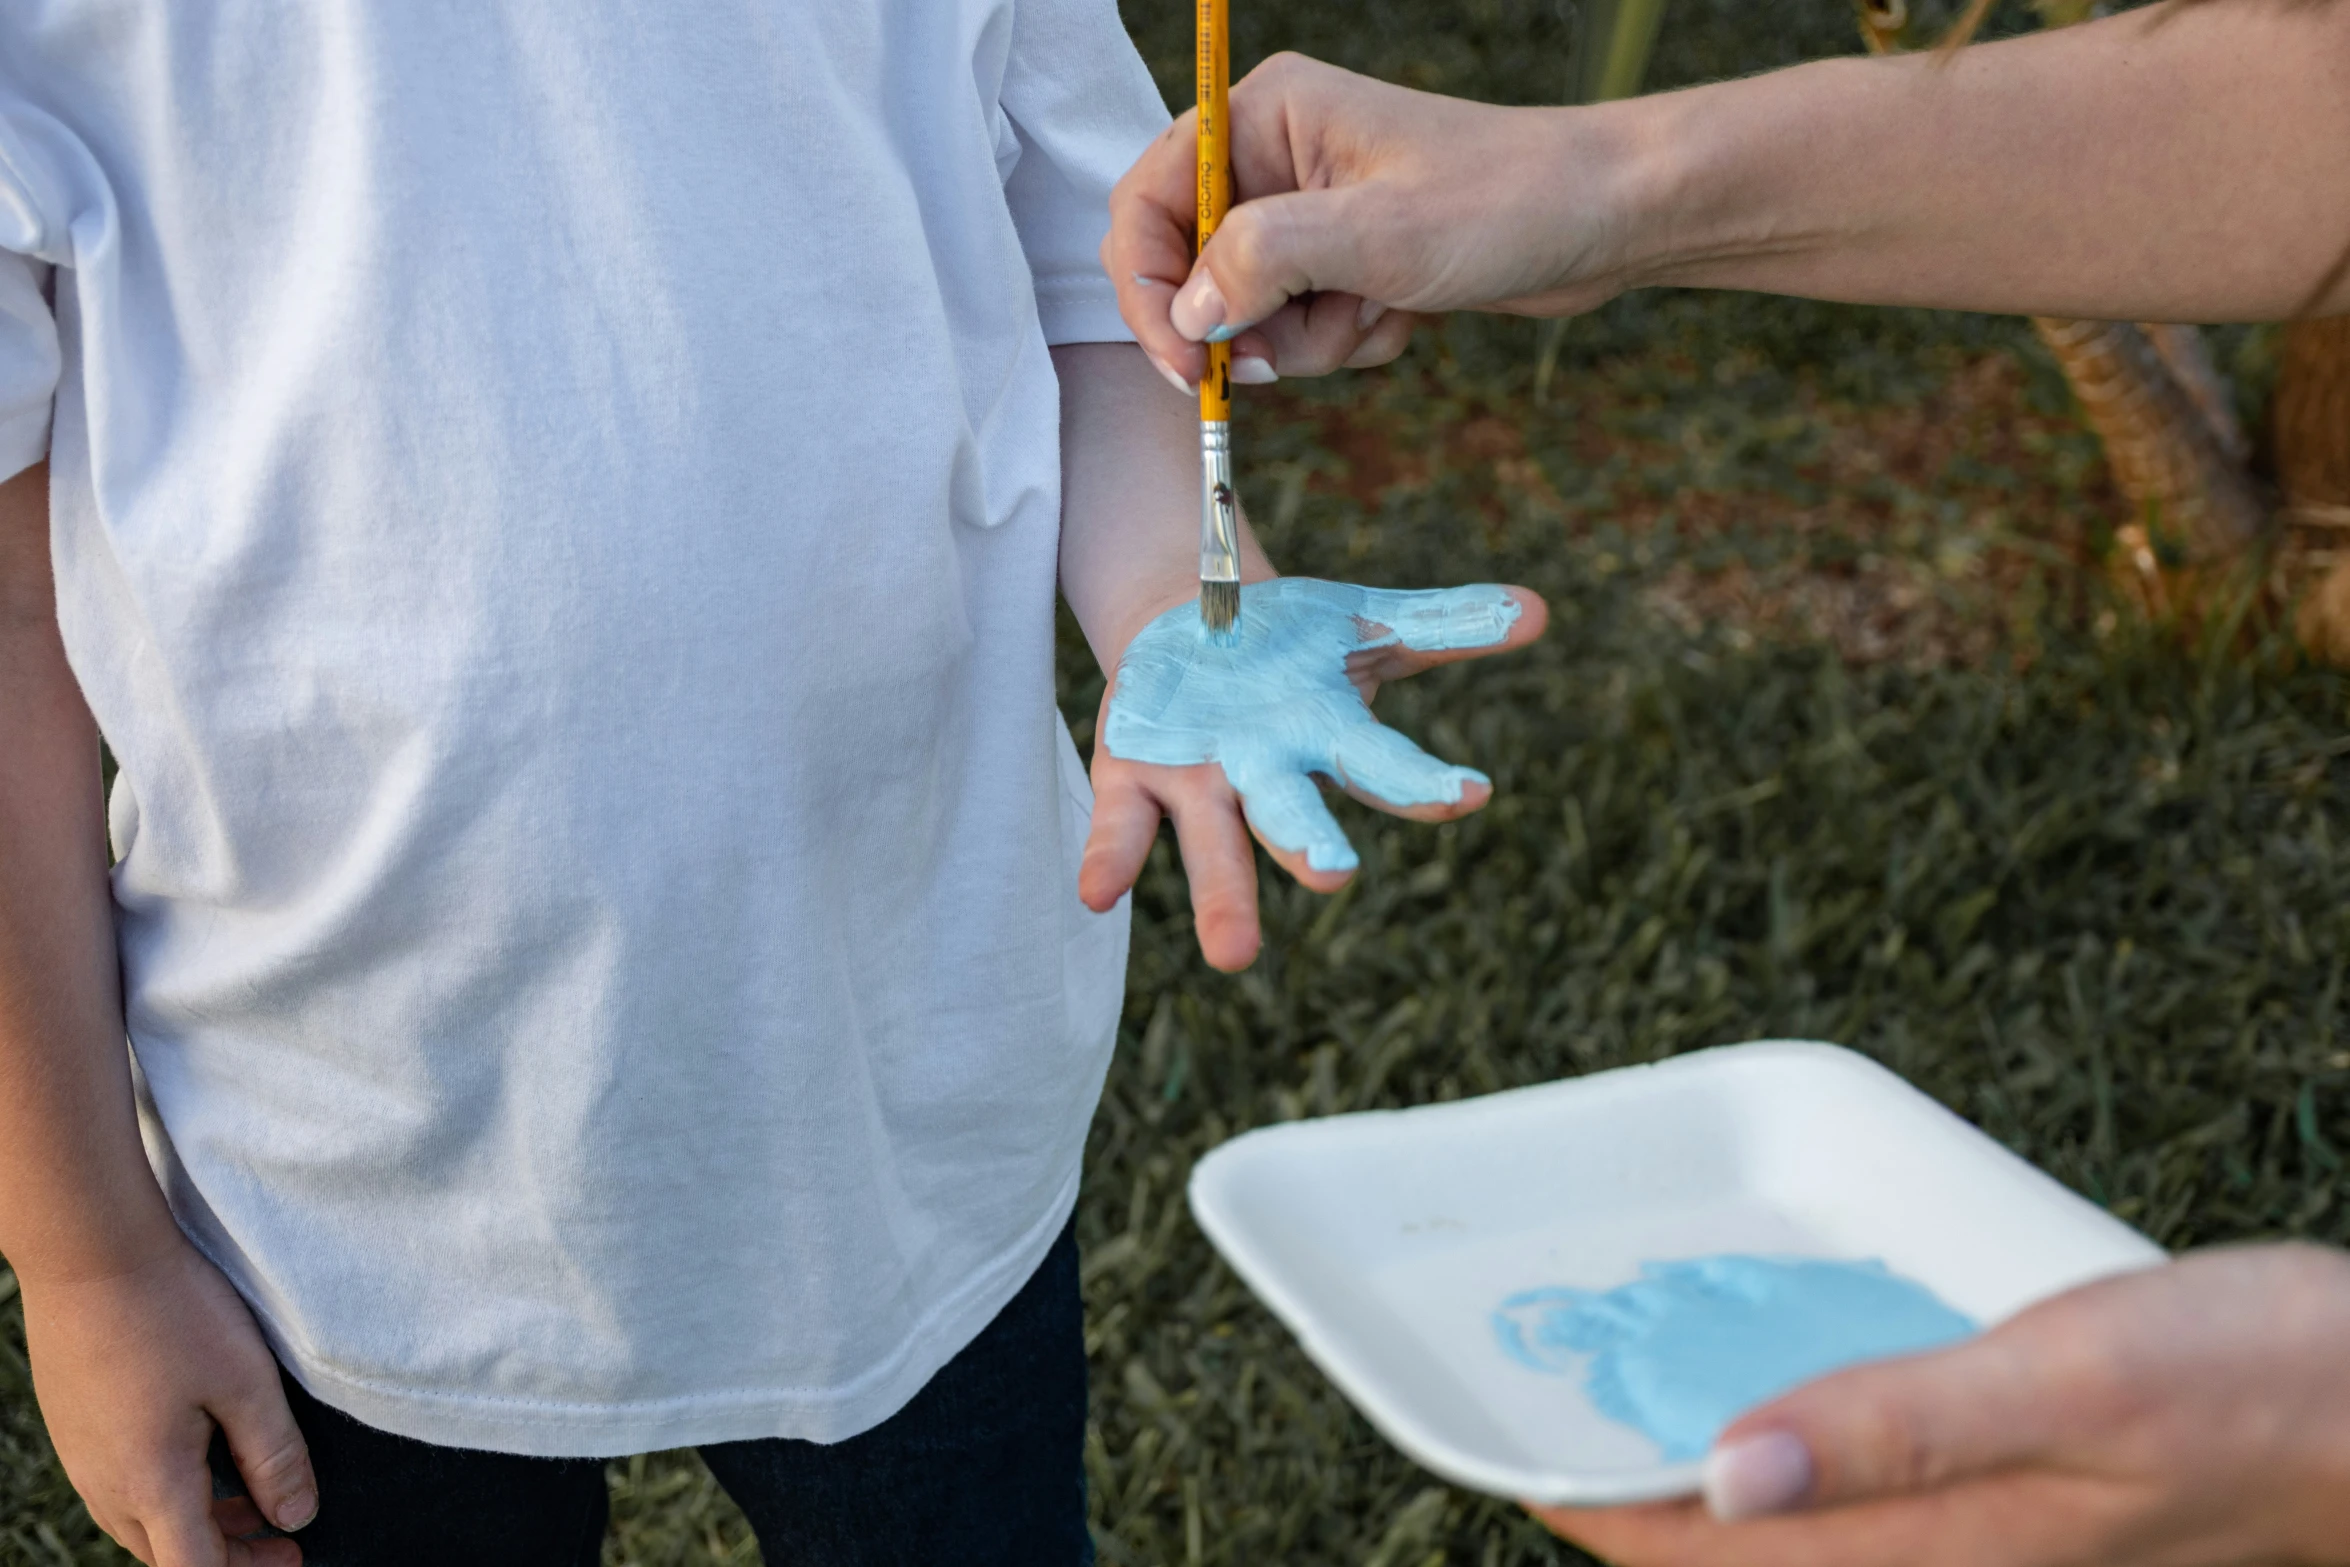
{"points": [[77, 1200], [1129, 495]]}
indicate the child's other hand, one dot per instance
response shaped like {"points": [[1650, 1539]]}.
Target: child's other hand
{"points": [[1217, 737], [133, 1372]]}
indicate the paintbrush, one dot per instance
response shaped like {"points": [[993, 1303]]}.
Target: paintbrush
{"points": [[1219, 509]]}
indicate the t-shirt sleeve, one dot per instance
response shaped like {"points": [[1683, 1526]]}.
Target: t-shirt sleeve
{"points": [[28, 330], [28, 363], [1083, 108]]}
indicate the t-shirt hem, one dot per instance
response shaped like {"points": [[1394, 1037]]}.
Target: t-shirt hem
{"points": [[553, 1429], [1081, 312]]}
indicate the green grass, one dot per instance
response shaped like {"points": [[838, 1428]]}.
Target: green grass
{"points": [[1834, 735]]}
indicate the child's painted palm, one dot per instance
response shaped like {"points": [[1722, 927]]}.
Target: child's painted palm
{"points": [[1279, 705]]}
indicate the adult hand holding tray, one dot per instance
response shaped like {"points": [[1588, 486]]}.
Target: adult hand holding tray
{"points": [[1414, 1252]]}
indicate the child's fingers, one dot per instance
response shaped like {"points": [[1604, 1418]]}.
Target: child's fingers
{"points": [[269, 1451], [1125, 825], [131, 1535], [180, 1529], [1222, 870], [264, 1553], [1475, 796], [1398, 659], [188, 1532], [1293, 862], [1383, 768], [237, 1517], [1288, 814], [1475, 615]]}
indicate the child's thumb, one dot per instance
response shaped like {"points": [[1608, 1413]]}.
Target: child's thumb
{"points": [[1881, 1430], [270, 1454], [1266, 252]]}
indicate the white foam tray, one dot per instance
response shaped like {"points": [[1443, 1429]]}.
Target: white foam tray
{"points": [[1384, 1240]]}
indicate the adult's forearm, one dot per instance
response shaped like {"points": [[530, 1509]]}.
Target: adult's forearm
{"points": [[76, 1197], [1129, 495], [2184, 162]]}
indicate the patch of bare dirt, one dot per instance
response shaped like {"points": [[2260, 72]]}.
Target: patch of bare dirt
{"points": [[1926, 534]]}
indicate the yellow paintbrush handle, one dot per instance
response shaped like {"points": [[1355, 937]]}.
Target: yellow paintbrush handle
{"points": [[1215, 176]]}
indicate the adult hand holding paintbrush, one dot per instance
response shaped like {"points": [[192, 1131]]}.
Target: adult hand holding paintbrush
{"points": [[2200, 179]]}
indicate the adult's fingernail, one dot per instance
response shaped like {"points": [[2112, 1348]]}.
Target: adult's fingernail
{"points": [[1368, 316], [297, 1509], [1253, 370], [1198, 311], [1174, 377], [1757, 1475], [1143, 281]]}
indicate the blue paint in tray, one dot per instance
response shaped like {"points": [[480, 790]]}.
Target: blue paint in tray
{"points": [[1689, 1346]]}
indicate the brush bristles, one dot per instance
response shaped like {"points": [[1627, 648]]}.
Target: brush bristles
{"points": [[1219, 608]]}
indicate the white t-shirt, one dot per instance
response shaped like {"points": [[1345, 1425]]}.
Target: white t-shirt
{"points": [[556, 506]]}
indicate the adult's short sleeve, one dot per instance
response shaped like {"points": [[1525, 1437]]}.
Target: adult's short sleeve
{"points": [[28, 330], [1084, 108]]}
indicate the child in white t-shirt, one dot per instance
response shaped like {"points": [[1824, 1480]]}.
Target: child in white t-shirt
{"points": [[556, 509]]}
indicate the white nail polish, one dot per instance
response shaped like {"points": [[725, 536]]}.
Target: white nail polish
{"points": [[1757, 1476], [1252, 370], [1174, 380], [1368, 315]]}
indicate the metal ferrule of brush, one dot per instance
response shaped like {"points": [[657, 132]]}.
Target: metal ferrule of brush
{"points": [[1219, 509]]}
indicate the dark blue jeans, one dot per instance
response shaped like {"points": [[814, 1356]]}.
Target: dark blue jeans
{"points": [[984, 1467]]}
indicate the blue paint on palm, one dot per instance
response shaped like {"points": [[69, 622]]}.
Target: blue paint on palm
{"points": [[1275, 706], [1688, 1347]]}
